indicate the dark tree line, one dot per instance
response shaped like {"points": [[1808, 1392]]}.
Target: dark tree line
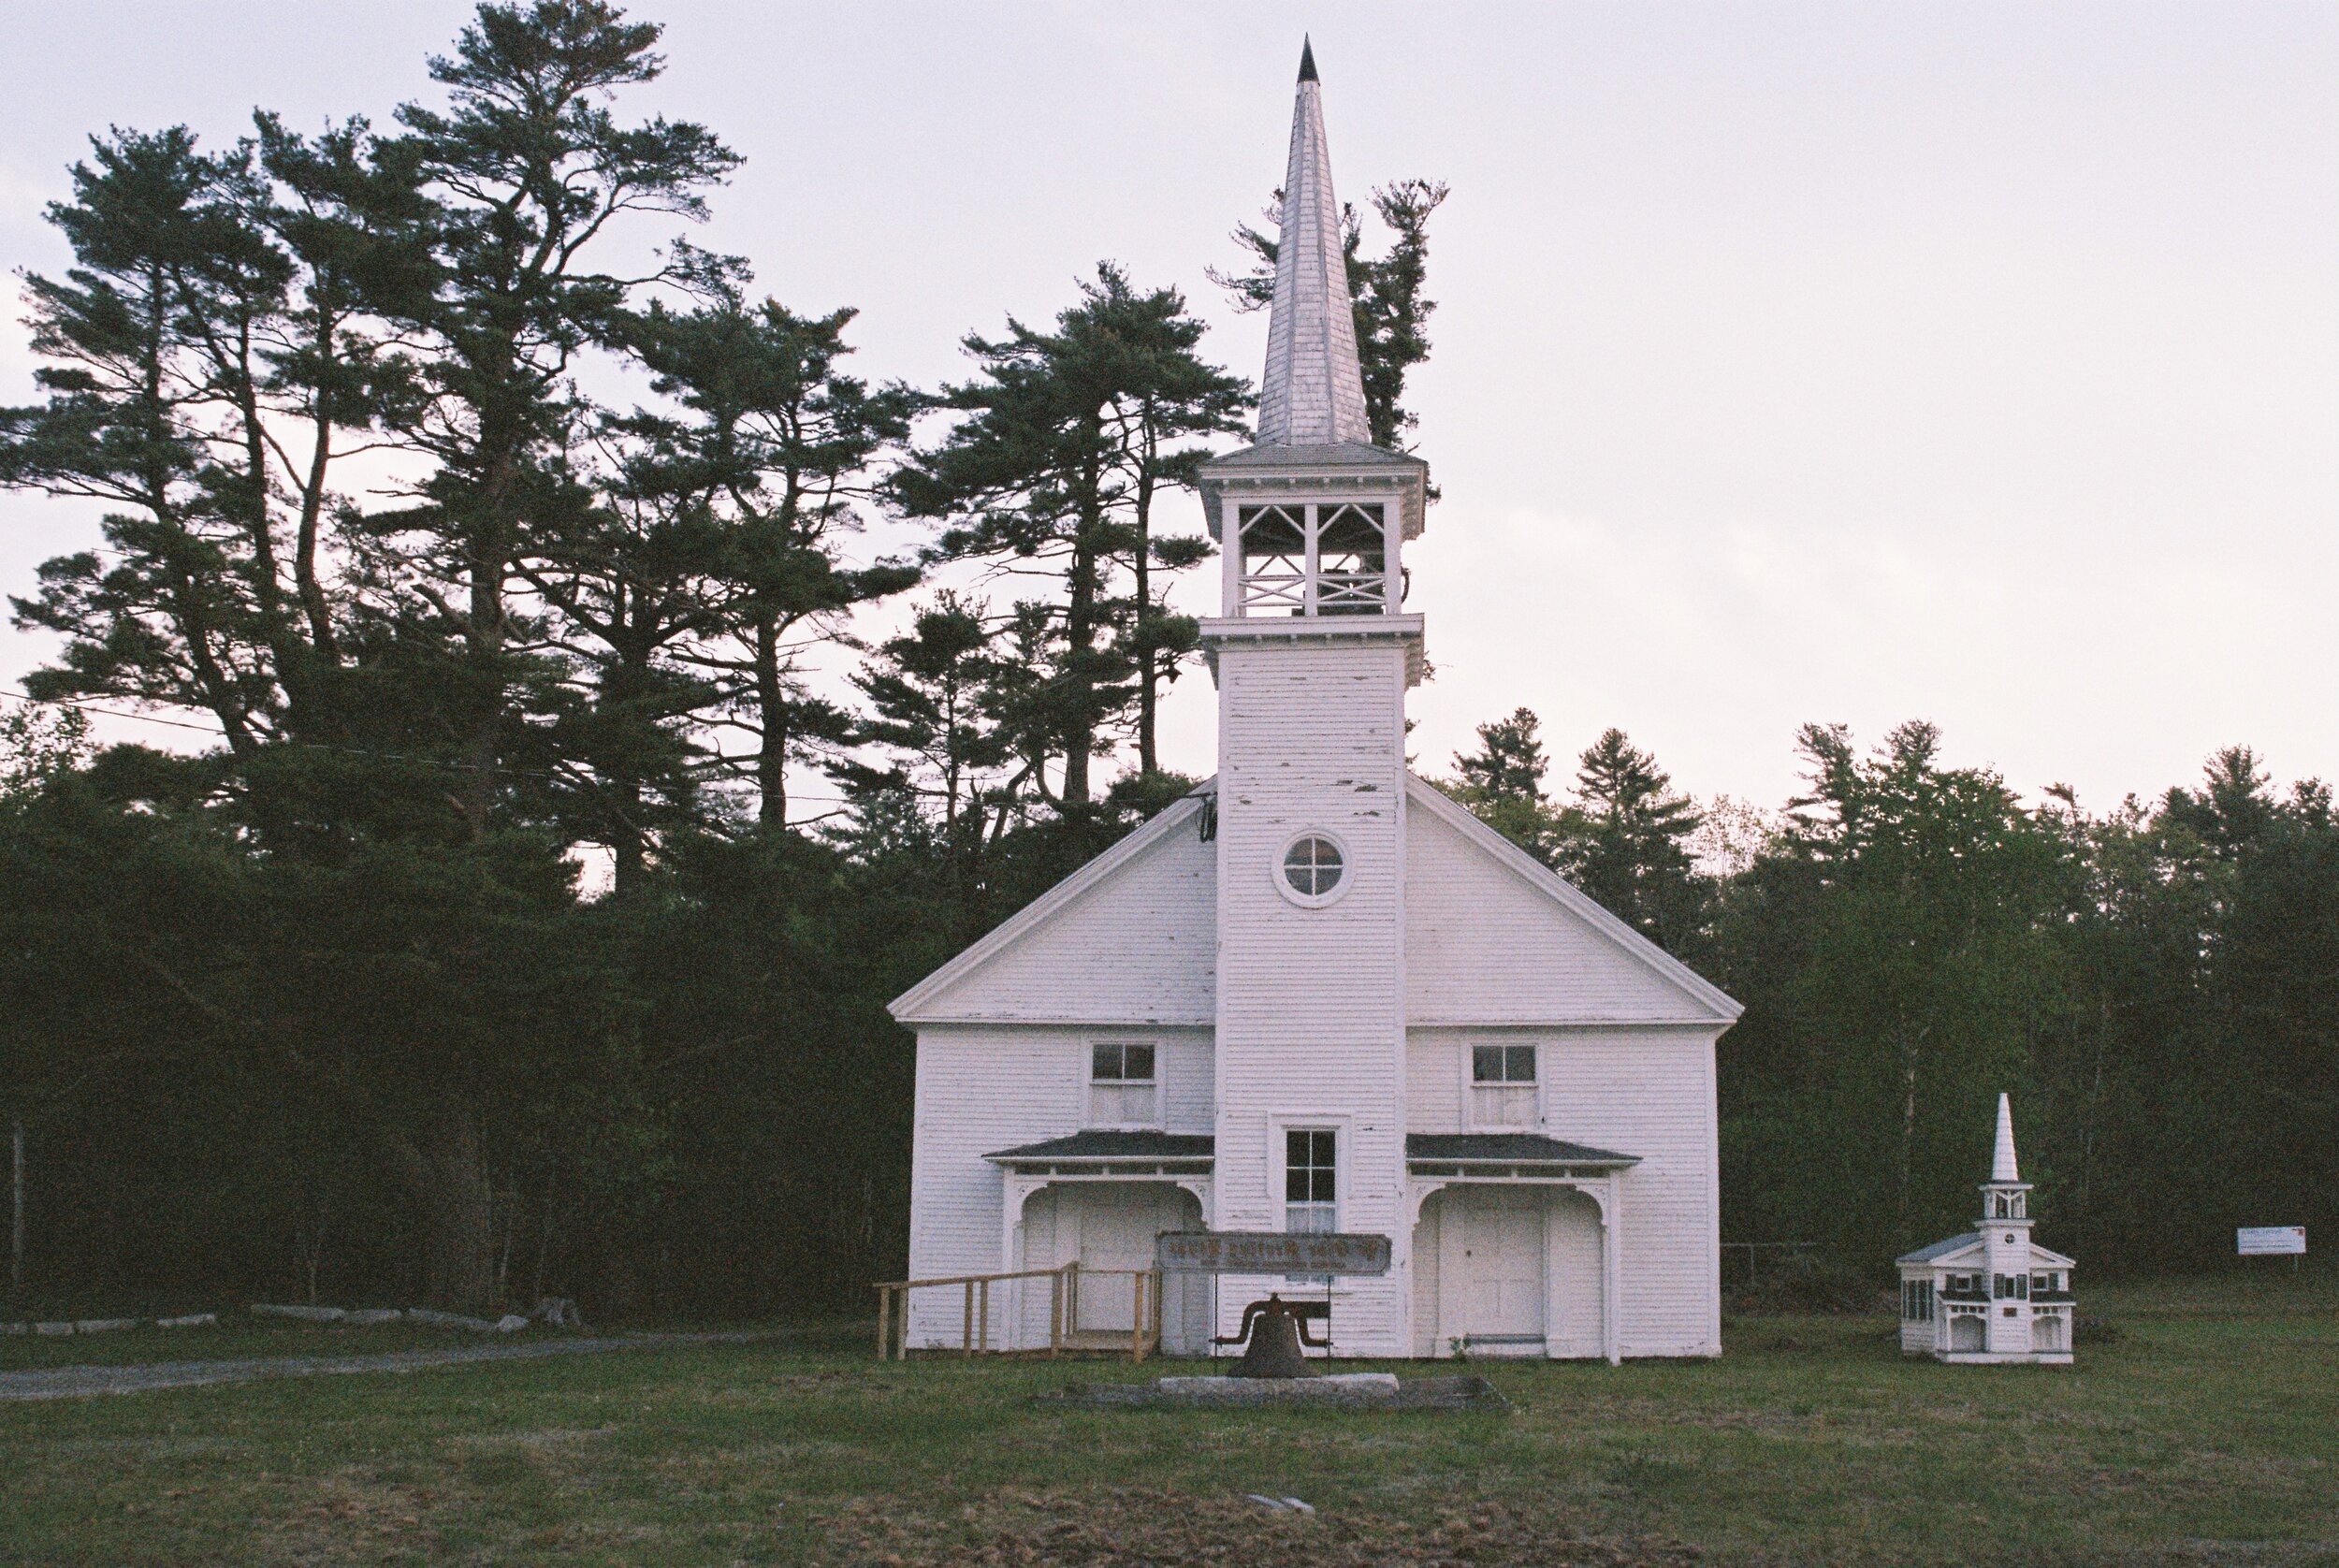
{"points": [[2158, 986], [319, 1005]]}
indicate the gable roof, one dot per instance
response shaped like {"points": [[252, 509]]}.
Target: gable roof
{"points": [[1158, 968], [1940, 1249], [1941, 1252], [915, 1004], [1710, 1000]]}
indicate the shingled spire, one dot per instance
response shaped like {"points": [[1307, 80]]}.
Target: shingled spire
{"points": [[1313, 394]]}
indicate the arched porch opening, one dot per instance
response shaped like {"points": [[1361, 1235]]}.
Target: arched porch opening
{"points": [[1108, 1228], [1510, 1267]]}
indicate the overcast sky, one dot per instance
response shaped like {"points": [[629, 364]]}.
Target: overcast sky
{"points": [[1970, 362]]}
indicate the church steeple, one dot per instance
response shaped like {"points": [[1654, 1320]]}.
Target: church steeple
{"points": [[2005, 1196], [1313, 517], [1312, 393]]}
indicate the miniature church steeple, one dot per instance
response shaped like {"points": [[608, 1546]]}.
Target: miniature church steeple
{"points": [[1312, 393], [2005, 1196]]}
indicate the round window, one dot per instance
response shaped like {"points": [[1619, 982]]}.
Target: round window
{"points": [[1313, 869]]}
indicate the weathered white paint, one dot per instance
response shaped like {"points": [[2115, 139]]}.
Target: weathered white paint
{"points": [[1310, 1001]]}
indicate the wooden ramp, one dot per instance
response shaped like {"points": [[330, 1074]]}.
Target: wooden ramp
{"points": [[1143, 1337]]}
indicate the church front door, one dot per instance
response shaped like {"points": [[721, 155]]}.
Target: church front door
{"points": [[1501, 1274]]}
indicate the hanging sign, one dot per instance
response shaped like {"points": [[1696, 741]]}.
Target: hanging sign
{"points": [[1269, 1252], [2270, 1241]]}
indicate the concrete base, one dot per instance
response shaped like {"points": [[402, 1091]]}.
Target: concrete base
{"points": [[2007, 1358], [1340, 1391]]}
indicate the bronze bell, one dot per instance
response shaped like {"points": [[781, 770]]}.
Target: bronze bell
{"points": [[1272, 1331]]}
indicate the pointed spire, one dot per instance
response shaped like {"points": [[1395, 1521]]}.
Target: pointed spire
{"points": [[2002, 1167], [1312, 393]]}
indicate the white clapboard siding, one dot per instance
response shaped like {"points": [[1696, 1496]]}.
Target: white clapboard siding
{"points": [[981, 1088], [1133, 946], [1311, 1027], [1650, 1092], [1490, 940], [1575, 1330]]}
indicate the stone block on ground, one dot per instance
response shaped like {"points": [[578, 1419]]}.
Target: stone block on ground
{"points": [[301, 1314], [189, 1320], [449, 1320], [511, 1323], [53, 1331], [103, 1325], [367, 1316], [1341, 1391]]}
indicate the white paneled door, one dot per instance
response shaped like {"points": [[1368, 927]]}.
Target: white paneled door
{"points": [[1501, 1275]]}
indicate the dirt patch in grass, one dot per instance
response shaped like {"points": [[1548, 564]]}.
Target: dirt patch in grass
{"points": [[1144, 1529]]}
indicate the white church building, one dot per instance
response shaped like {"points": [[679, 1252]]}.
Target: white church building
{"points": [[1315, 995], [1992, 1295]]}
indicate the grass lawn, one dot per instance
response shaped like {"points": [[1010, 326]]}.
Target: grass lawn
{"points": [[2209, 1432]]}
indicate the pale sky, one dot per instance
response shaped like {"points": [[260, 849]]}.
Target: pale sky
{"points": [[1970, 362]]}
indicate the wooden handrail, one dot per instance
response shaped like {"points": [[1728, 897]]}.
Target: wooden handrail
{"points": [[977, 1279], [1063, 1308]]}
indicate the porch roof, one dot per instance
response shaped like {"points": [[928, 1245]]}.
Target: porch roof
{"points": [[1104, 1144], [1506, 1148]]}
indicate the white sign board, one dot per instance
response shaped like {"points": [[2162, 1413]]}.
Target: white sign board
{"points": [[2270, 1241]]}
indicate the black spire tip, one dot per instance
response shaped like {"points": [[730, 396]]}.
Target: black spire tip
{"points": [[1307, 59]]}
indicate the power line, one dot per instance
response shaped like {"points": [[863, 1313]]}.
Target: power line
{"points": [[327, 746]]}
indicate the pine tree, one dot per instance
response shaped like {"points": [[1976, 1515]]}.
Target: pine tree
{"points": [[1625, 842], [1065, 438], [524, 171], [1503, 783], [775, 447]]}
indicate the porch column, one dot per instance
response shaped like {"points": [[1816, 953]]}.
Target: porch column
{"points": [[1612, 1270]]}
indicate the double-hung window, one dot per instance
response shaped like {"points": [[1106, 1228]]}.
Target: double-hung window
{"points": [[1310, 1181], [1502, 1086], [1121, 1089]]}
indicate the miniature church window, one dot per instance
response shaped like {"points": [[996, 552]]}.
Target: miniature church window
{"points": [[1502, 1086], [1313, 869], [1310, 1172], [1916, 1300], [1122, 1091]]}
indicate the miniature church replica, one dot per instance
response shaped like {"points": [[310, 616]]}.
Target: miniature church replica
{"points": [[1315, 995], [1993, 1294]]}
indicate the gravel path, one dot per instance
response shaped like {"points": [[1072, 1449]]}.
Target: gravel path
{"points": [[66, 1382]]}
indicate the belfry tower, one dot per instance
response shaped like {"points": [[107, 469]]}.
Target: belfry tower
{"points": [[1312, 652]]}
